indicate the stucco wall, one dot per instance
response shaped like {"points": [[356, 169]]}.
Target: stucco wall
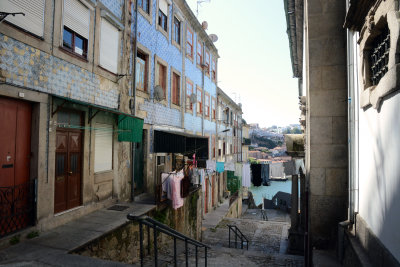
{"points": [[379, 183]]}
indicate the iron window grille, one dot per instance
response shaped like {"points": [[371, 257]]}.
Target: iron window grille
{"points": [[379, 56]]}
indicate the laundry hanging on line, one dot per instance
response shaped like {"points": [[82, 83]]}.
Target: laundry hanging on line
{"points": [[246, 175], [256, 174]]}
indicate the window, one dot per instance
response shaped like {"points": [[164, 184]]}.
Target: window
{"points": [[76, 27], [213, 146], [141, 71], [162, 77], [207, 105], [199, 53], [214, 70], [163, 15], [177, 31], [103, 147], [379, 56], [213, 108], [189, 92], [176, 89], [207, 63], [189, 43], [144, 5], [199, 101], [109, 43], [33, 21]]}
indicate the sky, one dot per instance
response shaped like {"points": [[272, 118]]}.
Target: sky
{"points": [[254, 67]]}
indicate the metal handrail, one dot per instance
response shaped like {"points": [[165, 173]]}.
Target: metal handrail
{"points": [[157, 226], [235, 229]]}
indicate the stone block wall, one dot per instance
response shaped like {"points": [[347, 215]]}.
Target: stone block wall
{"points": [[326, 152], [123, 244]]}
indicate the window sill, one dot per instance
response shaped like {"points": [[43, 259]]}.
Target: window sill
{"points": [[374, 95], [142, 93], [75, 55], [189, 57], [175, 106], [145, 15], [176, 45], [165, 33]]}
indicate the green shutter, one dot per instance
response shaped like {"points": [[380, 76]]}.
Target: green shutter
{"points": [[130, 129]]}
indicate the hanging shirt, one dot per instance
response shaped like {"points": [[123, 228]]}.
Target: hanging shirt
{"points": [[256, 174], [289, 167], [246, 179], [211, 165], [194, 176], [265, 174], [238, 169], [175, 187], [165, 184], [299, 163], [229, 166], [277, 170], [220, 167]]}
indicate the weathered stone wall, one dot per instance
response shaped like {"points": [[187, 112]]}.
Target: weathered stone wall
{"points": [[123, 244], [235, 209], [326, 157]]}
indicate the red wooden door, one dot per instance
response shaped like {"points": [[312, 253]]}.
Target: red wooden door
{"points": [[15, 152], [67, 193], [213, 190], [206, 196]]}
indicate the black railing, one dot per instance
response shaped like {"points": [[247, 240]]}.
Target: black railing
{"points": [[239, 234], [159, 227], [17, 207]]}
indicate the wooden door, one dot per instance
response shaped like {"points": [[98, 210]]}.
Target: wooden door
{"points": [[68, 170], [16, 204], [206, 196], [213, 190]]}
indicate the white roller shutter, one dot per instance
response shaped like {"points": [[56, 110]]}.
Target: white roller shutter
{"points": [[33, 21], [163, 6], [103, 143], [77, 17], [109, 40]]}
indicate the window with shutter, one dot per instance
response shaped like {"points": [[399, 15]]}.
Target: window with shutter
{"points": [[189, 43], [176, 80], [33, 21], [199, 53], [207, 105], [103, 147], [189, 92], [199, 101], [76, 27], [163, 14], [141, 71], [109, 40]]}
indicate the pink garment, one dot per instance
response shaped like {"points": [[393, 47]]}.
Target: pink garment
{"points": [[175, 188]]}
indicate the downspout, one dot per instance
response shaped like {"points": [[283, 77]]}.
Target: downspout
{"points": [[133, 107], [203, 96]]}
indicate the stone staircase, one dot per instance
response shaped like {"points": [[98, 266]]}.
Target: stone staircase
{"points": [[267, 245]]}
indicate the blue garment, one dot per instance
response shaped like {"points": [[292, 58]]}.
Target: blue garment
{"points": [[220, 167]]}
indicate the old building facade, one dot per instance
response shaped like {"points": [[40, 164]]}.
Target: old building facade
{"points": [[62, 81], [347, 90]]}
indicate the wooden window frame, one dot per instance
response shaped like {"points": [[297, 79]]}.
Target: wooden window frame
{"points": [[178, 42], [73, 37], [206, 107], [213, 110], [199, 62], [214, 70], [159, 61], [189, 106], [175, 73], [207, 59], [165, 32], [190, 56], [146, 70], [199, 106]]}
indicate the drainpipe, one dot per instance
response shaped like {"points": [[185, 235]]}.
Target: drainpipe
{"points": [[203, 97], [133, 107]]}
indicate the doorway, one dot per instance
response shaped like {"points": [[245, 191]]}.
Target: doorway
{"points": [[68, 169], [16, 188]]}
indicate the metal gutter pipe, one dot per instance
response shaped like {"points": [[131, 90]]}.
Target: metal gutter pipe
{"points": [[133, 107]]}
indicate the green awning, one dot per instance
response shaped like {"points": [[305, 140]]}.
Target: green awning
{"points": [[131, 129]]}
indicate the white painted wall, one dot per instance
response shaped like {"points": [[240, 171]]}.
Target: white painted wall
{"points": [[379, 171]]}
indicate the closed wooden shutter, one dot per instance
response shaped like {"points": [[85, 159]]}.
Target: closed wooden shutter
{"points": [[109, 39], [33, 21], [103, 147], [77, 17], [163, 6]]}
